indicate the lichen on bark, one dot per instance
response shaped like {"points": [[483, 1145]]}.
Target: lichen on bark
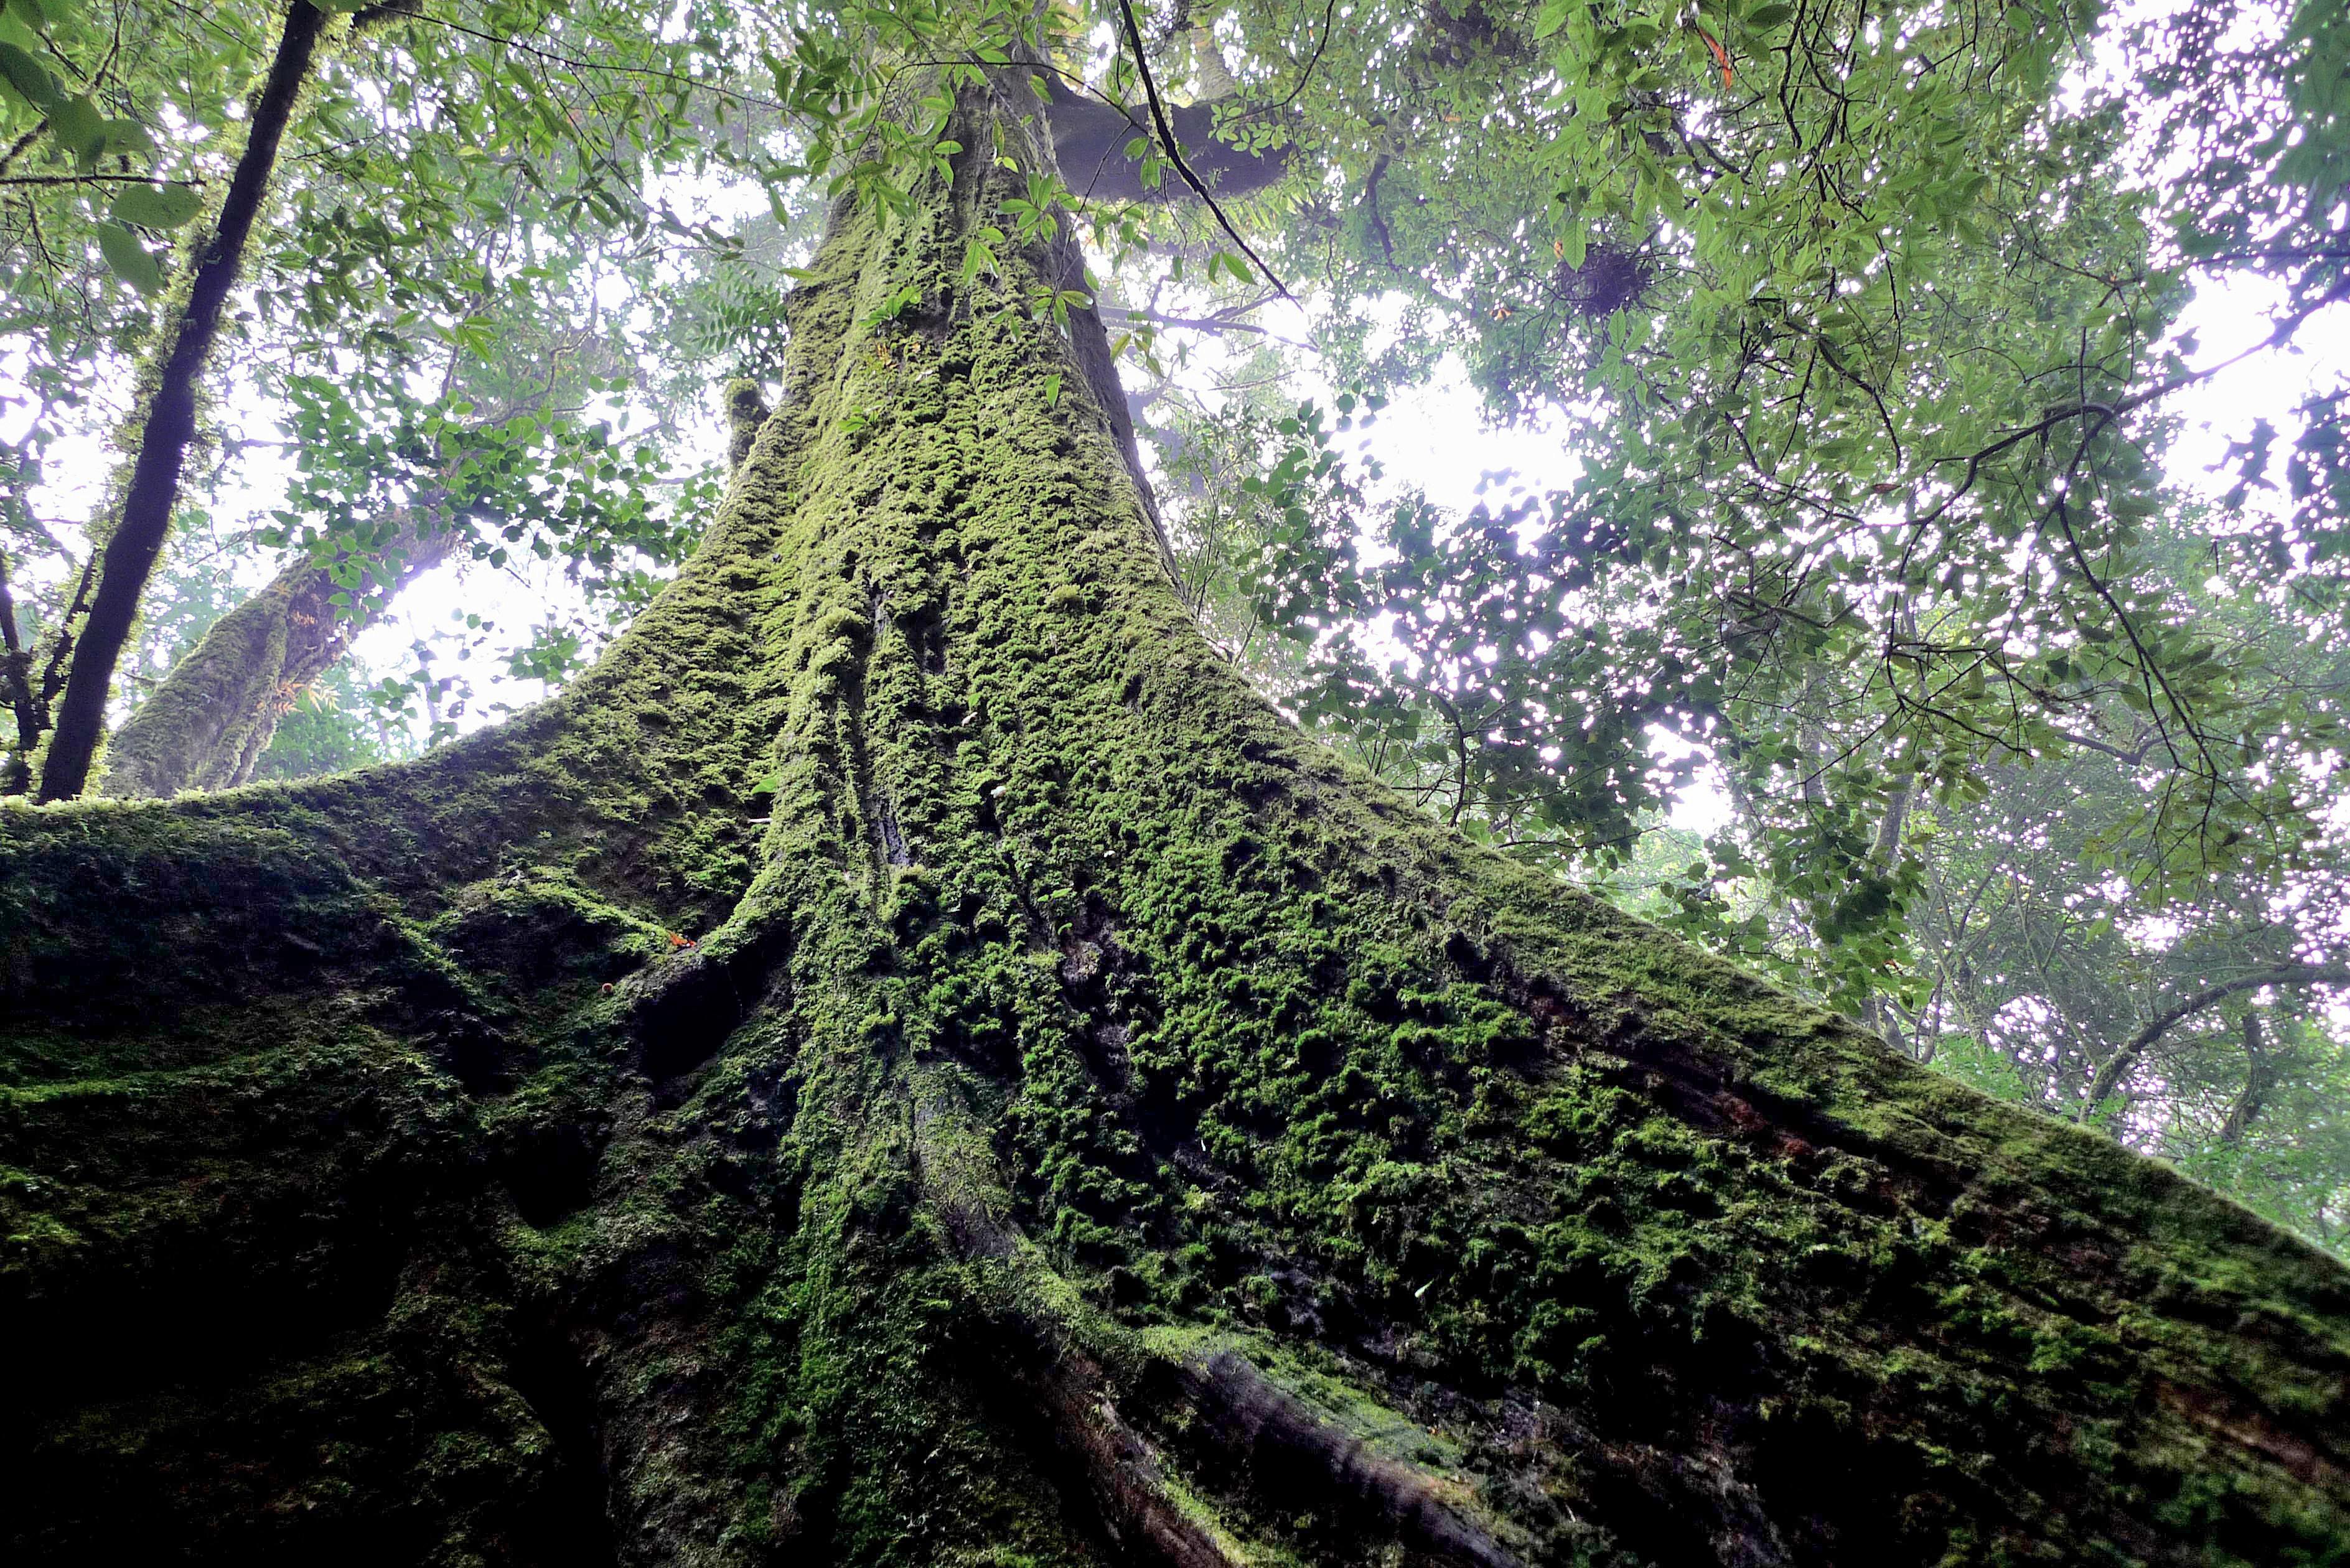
{"points": [[911, 1061]]}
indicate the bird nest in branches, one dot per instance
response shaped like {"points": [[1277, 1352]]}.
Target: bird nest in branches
{"points": [[1611, 277], [1454, 32]]}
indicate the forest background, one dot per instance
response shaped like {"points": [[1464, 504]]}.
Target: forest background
{"points": [[1867, 600]]}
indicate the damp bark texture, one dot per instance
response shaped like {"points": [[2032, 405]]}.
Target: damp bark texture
{"points": [[911, 1061]]}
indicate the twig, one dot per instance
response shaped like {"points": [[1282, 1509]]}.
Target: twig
{"points": [[1329, 15], [1175, 152]]}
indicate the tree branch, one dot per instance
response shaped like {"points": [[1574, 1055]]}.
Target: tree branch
{"points": [[2117, 1066], [92, 179], [2254, 1099], [1175, 152]]}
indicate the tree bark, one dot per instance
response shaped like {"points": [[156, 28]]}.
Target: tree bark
{"points": [[2258, 1074], [169, 425], [206, 726], [911, 1061], [16, 675]]}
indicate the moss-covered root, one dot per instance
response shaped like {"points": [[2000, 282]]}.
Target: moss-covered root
{"points": [[912, 1061]]}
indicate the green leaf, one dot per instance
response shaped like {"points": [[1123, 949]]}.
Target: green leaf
{"points": [[29, 76], [129, 258], [156, 206], [129, 136], [79, 128]]}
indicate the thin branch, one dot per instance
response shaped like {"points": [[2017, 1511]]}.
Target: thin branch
{"points": [[53, 674], [92, 179], [570, 63], [2108, 414], [1329, 15], [1175, 152], [2117, 1067]]}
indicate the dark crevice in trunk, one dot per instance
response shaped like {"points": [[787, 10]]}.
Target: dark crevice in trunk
{"points": [[683, 1012], [572, 1526]]}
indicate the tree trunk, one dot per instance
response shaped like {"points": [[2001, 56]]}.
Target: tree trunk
{"points": [[911, 1061], [206, 726], [16, 678], [168, 419]]}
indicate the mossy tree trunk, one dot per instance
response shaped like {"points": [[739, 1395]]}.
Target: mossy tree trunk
{"points": [[131, 542], [207, 725], [911, 1061]]}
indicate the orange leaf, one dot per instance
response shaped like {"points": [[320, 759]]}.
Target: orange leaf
{"points": [[1721, 55]]}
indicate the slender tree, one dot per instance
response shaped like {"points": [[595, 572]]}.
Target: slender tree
{"points": [[910, 1060], [137, 535]]}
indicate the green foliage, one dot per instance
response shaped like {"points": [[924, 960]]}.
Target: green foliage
{"points": [[378, 471]]}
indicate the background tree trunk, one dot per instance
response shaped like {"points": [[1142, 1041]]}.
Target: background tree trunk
{"points": [[911, 1061], [206, 726], [135, 539]]}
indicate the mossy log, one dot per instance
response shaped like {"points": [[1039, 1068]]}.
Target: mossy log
{"points": [[911, 1061]]}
